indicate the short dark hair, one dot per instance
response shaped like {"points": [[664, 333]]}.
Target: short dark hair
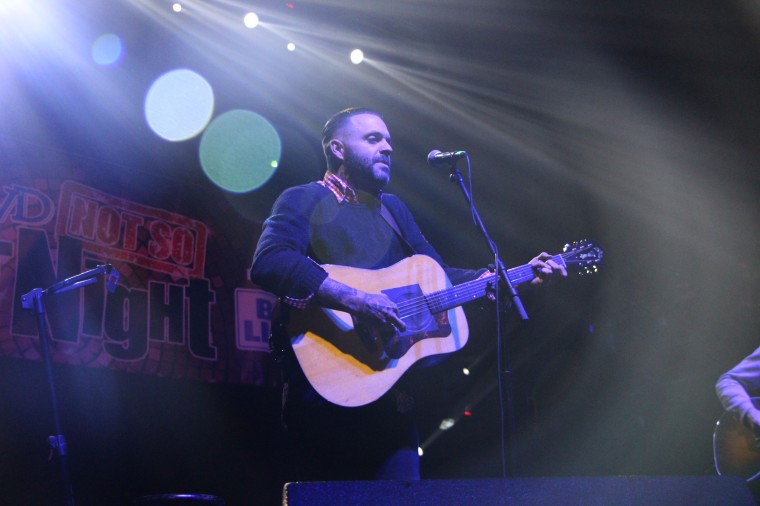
{"points": [[333, 124]]}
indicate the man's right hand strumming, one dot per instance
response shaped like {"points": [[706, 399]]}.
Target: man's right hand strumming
{"points": [[375, 307]]}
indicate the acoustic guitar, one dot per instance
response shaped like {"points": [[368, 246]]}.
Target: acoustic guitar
{"points": [[736, 450], [350, 363]]}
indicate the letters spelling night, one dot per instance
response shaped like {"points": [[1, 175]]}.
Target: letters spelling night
{"points": [[171, 305]]}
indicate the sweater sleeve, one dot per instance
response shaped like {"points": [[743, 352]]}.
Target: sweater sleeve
{"points": [[281, 263], [735, 387]]}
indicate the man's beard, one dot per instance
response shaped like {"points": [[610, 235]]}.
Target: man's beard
{"points": [[361, 173]]}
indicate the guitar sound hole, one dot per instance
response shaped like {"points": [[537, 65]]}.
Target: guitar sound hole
{"points": [[420, 323], [417, 317]]}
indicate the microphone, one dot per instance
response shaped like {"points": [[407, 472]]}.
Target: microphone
{"points": [[438, 158], [113, 278]]}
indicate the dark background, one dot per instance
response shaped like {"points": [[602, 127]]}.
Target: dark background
{"points": [[634, 124]]}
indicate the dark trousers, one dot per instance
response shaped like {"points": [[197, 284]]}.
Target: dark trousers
{"points": [[333, 443]]}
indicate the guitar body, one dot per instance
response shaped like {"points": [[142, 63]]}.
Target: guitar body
{"points": [[351, 365], [735, 448]]}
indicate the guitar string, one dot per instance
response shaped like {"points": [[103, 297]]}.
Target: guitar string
{"points": [[431, 301], [465, 292], [435, 302]]}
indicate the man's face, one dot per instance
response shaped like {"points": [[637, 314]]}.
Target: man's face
{"points": [[366, 152]]}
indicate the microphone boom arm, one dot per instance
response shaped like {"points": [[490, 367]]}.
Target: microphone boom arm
{"points": [[83, 279]]}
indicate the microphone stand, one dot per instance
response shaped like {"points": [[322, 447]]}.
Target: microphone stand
{"points": [[34, 300], [501, 271]]}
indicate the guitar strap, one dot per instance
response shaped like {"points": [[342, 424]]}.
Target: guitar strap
{"points": [[386, 214]]}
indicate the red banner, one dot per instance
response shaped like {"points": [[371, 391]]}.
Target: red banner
{"points": [[182, 307]]}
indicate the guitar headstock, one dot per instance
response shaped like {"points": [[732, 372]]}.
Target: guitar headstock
{"points": [[583, 255]]}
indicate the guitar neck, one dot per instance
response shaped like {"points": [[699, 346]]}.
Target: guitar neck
{"points": [[448, 298]]}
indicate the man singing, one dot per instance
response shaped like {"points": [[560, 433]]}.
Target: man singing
{"points": [[346, 219]]}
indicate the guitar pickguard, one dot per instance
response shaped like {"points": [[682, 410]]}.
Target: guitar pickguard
{"points": [[420, 324]]}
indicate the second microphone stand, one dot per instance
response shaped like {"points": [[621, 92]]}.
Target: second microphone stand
{"points": [[34, 301]]}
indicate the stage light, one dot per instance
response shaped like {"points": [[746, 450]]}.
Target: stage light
{"points": [[447, 423], [466, 371], [12, 7], [177, 7], [251, 20], [420, 452], [107, 49], [357, 56], [291, 47], [179, 105], [240, 150], [467, 413], [26, 22]]}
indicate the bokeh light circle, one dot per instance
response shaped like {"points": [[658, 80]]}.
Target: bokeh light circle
{"points": [[179, 105], [107, 49], [240, 150]]}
